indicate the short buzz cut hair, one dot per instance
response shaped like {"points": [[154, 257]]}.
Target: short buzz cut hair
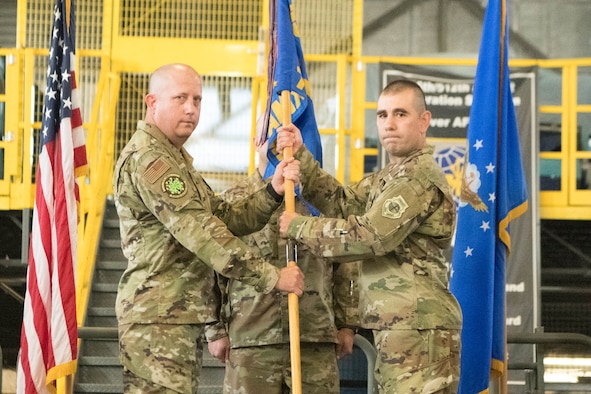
{"points": [[399, 85]]}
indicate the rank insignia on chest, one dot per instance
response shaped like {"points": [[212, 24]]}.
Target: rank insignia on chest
{"points": [[174, 186], [393, 208]]}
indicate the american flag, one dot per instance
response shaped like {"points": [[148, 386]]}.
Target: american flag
{"points": [[49, 332]]}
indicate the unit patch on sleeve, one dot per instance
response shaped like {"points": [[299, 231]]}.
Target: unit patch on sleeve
{"points": [[174, 186], [393, 208]]}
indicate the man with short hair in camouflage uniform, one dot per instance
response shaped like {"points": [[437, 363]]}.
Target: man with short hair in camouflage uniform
{"points": [[175, 232], [257, 354], [399, 221]]}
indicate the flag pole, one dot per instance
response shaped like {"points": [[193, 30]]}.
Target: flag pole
{"points": [[292, 298], [503, 62]]}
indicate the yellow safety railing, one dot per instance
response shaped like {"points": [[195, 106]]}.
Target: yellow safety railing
{"points": [[94, 193]]}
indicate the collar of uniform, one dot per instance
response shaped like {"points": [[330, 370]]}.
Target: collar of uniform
{"points": [[425, 150], [428, 149], [156, 133]]}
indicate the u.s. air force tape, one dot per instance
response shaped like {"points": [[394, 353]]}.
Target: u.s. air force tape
{"points": [[174, 186], [393, 208]]}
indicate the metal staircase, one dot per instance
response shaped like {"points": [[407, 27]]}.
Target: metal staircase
{"points": [[99, 369]]}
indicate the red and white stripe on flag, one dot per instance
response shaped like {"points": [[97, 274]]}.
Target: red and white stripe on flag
{"points": [[49, 331]]}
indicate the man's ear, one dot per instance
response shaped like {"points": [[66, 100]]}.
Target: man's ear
{"points": [[150, 100], [426, 121]]}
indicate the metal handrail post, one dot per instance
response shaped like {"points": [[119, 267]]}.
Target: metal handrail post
{"points": [[540, 337], [540, 363], [370, 353]]}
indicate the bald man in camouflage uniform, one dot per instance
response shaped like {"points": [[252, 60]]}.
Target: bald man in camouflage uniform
{"points": [[258, 324], [175, 232], [399, 221]]}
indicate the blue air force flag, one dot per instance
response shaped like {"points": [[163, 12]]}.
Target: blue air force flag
{"points": [[493, 193]]}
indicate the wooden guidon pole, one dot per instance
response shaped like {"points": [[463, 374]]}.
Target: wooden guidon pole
{"points": [[292, 298]]}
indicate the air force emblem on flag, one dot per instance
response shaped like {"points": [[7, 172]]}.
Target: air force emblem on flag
{"points": [[470, 186], [463, 176], [393, 208]]}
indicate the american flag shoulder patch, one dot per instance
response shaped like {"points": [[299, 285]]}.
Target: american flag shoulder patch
{"points": [[156, 170]]}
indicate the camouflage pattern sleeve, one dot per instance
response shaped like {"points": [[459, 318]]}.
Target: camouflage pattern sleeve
{"points": [[215, 331], [396, 213], [218, 329], [333, 238], [246, 215], [249, 207], [326, 193], [243, 188], [346, 294], [182, 203]]}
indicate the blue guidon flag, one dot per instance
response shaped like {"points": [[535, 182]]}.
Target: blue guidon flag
{"points": [[287, 71], [493, 193]]}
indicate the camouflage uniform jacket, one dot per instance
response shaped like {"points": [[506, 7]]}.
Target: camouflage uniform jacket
{"points": [[174, 230], [330, 298], [399, 221]]}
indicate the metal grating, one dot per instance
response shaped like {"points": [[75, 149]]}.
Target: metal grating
{"points": [[567, 317], [89, 22], [8, 18], [87, 79], [38, 100], [40, 83], [204, 19], [130, 107], [323, 90], [39, 23], [89, 25], [326, 27]]}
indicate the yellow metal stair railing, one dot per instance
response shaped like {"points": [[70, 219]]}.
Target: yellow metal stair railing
{"points": [[100, 148]]}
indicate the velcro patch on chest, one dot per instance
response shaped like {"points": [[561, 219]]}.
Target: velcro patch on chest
{"points": [[156, 170], [393, 208], [174, 186]]}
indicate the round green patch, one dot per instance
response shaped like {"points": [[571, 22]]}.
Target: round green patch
{"points": [[174, 186]]}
